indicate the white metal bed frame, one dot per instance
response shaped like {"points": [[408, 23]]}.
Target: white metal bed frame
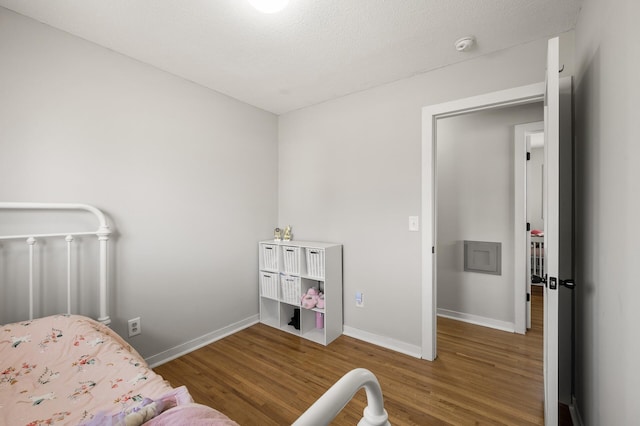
{"points": [[537, 256], [322, 412], [325, 409], [102, 233]]}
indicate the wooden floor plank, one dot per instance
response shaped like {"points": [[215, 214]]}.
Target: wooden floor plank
{"points": [[268, 377]]}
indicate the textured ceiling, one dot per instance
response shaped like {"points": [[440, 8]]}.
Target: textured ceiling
{"points": [[312, 51]]}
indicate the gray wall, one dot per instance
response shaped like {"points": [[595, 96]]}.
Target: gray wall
{"points": [[350, 172], [188, 176], [476, 199], [607, 212]]}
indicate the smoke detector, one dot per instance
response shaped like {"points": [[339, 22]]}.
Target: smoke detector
{"points": [[465, 43]]}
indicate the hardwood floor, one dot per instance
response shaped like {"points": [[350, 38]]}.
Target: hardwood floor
{"points": [[262, 376]]}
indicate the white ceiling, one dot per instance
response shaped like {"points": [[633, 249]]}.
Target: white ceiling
{"points": [[312, 51]]}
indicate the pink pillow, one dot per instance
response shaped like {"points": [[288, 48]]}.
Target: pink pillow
{"points": [[192, 415]]}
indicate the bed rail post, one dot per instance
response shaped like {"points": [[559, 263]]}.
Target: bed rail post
{"points": [[69, 240], [103, 238], [31, 242], [325, 409]]}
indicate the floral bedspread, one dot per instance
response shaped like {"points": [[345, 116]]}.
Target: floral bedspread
{"points": [[69, 369]]}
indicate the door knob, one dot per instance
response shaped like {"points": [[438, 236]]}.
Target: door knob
{"points": [[570, 284], [536, 279]]}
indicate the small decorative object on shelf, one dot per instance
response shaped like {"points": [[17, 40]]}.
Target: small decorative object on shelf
{"points": [[287, 233], [319, 320], [310, 298], [277, 234]]}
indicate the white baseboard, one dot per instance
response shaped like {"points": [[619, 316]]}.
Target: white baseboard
{"points": [[575, 413], [198, 342], [478, 320], [385, 342]]}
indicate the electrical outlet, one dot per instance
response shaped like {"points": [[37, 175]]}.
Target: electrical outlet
{"points": [[135, 327], [360, 300]]}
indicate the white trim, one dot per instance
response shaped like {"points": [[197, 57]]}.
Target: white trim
{"points": [[385, 342], [428, 258], [477, 320], [516, 96], [199, 342]]}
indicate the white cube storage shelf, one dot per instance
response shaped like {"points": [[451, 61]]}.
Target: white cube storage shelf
{"points": [[287, 270]]}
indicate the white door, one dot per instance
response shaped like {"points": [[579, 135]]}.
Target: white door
{"points": [[551, 201], [558, 256]]}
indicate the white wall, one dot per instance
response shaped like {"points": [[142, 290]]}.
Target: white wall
{"points": [[607, 212], [476, 198], [187, 175], [350, 173]]}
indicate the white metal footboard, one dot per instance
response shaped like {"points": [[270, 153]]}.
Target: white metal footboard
{"points": [[325, 409], [537, 256], [102, 233]]}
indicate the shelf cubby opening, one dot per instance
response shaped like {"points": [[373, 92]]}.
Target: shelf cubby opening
{"points": [[287, 315], [269, 312]]}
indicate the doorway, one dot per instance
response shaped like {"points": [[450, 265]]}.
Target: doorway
{"points": [[529, 203], [431, 115], [476, 200]]}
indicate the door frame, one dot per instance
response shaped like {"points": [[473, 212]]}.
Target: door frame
{"points": [[430, 114]]}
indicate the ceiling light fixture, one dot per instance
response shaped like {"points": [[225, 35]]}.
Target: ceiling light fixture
{"points": [[269, 6]]}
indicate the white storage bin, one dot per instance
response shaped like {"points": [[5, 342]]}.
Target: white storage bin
{"points": [[290, 257], [315, 262], [270, 256], [269, 285], [290, 289]]}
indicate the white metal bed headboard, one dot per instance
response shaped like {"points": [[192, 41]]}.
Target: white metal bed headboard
{"points": [[102, 233]]}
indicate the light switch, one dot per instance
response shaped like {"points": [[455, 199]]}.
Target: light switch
{"points": [[413, 223]]}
